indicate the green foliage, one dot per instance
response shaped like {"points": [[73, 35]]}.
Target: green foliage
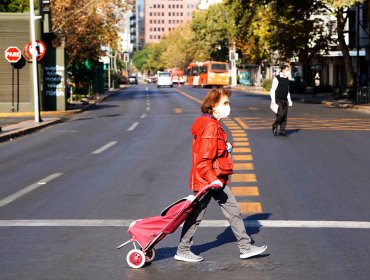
{"points": [[267, 84], [15, 6]]}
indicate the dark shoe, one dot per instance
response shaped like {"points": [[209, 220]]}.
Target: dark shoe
{"points": [[283, 134], [274, 131]]}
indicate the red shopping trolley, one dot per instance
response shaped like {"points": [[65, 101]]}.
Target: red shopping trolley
{"points": [[147, 232]]}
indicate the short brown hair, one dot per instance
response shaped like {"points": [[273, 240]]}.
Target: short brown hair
{"points": [[212, 98]]}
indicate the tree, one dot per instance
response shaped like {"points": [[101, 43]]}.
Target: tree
{"points": [[83, 26], [14, 6], [339, 7], [210, 34]]}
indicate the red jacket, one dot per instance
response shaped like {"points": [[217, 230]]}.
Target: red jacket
{"points": [[209, 143]]}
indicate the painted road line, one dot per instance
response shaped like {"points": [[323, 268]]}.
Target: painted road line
{"points": [[240, 139], [133, 126], [248, 178], [143, 116], [105, 147], [242, 124], [250, 207], [243, 166], [148, 108], [204, 223], [239, 134], [236, 130], [242, 157], [189, 96], [242, 150], [241, 144], [245, 191], [26, 190]]}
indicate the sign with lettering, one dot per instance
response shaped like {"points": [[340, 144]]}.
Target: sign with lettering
{"points": [[13, 54]]}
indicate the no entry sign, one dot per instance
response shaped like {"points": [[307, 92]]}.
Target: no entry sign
{"points": [[40, 49], [13, 54]]}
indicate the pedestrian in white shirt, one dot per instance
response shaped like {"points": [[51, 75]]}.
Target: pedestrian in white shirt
{"points": [[280, 96]]}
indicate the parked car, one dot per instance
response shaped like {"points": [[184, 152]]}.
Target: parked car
{"points": [[164, 79], [132, 80]]}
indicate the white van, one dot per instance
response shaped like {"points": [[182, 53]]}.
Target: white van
{"points": [[164, 79]]}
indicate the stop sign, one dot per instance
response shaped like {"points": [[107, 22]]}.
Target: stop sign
{"points": [[13, 54]]}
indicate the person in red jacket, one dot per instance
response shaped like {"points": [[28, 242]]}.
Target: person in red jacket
{"points": [[212, 164]]}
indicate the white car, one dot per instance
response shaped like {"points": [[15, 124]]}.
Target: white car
{"points": [[164, 79]]}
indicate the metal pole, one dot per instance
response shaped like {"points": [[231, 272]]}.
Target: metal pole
{"points": [[233, 64], [109, 67], [34, 63]]}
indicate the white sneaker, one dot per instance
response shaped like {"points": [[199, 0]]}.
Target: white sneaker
{"points": [[253, 251], [187, 257]]}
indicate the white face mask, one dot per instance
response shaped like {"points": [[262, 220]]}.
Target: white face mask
{"points": [[222, 111], [225, 111]]}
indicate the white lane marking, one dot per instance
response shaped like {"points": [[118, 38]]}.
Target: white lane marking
{"points": [[143, 116], [105, 147], [26, 190], [148, 108], [205, 223], [133, 126]]}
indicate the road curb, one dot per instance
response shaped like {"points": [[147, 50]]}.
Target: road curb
{"points": [[16, 130]]}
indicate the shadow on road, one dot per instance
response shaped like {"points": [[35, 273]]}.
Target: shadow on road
{"points": [[225, 237]]}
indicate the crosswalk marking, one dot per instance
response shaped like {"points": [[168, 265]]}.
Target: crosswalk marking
{"points": [[245, 191], [242, 150], [248, 178], [243, 166], [241, 144], [243, 163], [309, 123], [242, 157], [250, 207]]}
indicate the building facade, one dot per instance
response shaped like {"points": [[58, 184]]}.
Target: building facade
{"points": [[162, 16]]}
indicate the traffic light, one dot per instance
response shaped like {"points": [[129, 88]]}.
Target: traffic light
{"points": [[126, 57]]}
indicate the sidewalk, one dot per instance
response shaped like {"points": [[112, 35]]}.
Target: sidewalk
{"points": [[15, 124]]}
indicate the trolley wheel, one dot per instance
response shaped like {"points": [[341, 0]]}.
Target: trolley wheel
{"points": [[135, 258], [150, 255]]}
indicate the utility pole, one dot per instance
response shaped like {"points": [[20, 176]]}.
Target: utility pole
{"points": [[34, 63]]}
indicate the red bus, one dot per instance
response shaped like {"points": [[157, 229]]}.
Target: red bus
{"points": [[209, 73]]}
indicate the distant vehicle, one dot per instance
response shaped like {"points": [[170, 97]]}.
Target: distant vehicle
{"points": [[177, 75], [209, 73], [152, 79], [164, 79], [132, 80]]}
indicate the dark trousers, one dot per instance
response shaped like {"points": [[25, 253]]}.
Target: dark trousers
{"points": [[282, 115]]}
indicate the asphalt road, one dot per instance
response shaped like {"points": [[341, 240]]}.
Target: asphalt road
{"points": [[69, 192]]}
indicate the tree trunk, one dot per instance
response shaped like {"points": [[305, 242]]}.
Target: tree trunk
{"points": [[350, 76]]}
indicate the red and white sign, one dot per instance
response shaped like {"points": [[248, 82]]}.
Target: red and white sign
{"points": [[40, 49], [13, 54]]}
